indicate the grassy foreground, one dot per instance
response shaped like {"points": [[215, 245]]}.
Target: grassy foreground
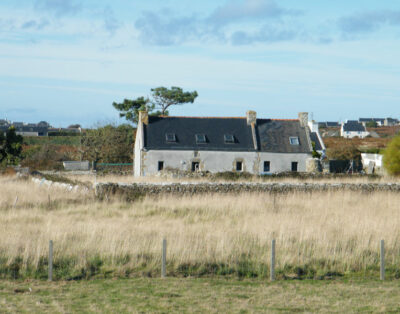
{"points": [[198, 295], [318, 235]]}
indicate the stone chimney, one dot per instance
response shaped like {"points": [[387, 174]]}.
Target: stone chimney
{"points": [[303, 118], [144, 117], [251, 117]]}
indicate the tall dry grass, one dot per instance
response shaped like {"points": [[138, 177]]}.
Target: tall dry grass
{"points": [[316, 233]]}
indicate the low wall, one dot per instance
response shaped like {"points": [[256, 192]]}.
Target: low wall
{"points": [[76, 165], [132, 191]]}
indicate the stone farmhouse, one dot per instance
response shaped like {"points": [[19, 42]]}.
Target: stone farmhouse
{"points": [[243, 144]]}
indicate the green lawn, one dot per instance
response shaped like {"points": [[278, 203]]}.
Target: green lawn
{"points": [[199, 295]]}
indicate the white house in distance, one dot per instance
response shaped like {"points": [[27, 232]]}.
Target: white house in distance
{"points": [[218, 144], [353, 128]]}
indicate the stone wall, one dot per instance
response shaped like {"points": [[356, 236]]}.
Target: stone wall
{"points": [[132, 191]]}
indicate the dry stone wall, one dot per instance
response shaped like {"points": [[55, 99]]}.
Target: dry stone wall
{"points": [[132, 191]]}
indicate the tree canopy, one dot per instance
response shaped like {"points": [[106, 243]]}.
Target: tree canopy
{"points": [[10, 147], [391, 157], [109, 143], [160, 100]]}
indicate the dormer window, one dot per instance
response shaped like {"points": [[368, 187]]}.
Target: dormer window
{"points": [[170, 137], [200, 139], [294, 140], [229, 138]]}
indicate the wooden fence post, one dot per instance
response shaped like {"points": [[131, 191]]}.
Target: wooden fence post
{"points": [[15, 202], [164, 259], [272, 272], [51, 260], [382, 259]]}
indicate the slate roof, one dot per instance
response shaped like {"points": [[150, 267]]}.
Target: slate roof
{"points": [[272, 135], [315, 139], [185, 130], [328, 124], [353, 126]]}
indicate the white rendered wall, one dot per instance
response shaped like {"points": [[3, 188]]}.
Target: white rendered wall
{"points": [[217, 161], [137, 163]]}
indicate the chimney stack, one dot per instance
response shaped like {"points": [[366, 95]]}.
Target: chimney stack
{"points": [[144, 117], [251, 117], [303, 118]]}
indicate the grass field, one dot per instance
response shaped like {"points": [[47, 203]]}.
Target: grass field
{"points": [[107, 254], [188, 295], [319, 235]]}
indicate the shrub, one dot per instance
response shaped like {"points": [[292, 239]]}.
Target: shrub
{"points": [[391, 157]]}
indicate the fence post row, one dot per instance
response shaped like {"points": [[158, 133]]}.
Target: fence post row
{"points": [[51, 260], [272, 272], [164, 258], [382, 259]]}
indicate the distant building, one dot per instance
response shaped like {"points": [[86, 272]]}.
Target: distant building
{"points": [[353, 128], [379, 121], [328, 124], [25, 129], [391, 122]]}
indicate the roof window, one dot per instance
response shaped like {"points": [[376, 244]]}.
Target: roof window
{"points": [[200, 139], [229, 138], [170, 137], [294, 140]]}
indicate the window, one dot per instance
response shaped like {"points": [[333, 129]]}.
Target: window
{"points": [[239, 166], [170, 137], [195, 166], [229, 138], [294, 166], [200, 139], [267, 166], [160, 165], [294, 140]]}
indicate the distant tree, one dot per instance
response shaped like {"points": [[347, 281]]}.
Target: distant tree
{"points": [[371, 124], [344, 152], [161, 99], [109, 143], [74, 126], [391, 157], [164, 97], [10, 147]]}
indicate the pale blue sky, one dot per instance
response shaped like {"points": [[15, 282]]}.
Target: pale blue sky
{"points": [[66, 61]]}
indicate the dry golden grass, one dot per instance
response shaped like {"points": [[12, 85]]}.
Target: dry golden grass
{"points": [[334, 231]]}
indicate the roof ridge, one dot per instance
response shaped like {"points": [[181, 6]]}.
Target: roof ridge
{"points": [[192, 117]]}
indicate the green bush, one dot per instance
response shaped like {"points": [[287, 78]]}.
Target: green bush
{"points": [[391, 157]]}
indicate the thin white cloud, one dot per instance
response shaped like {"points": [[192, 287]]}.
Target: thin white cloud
{"points": [[367, 22], [59, 7], [224, 24]]}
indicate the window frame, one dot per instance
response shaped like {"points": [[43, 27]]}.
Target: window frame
{"points": [[160, 165], [227, 140], [239, 162], [197, 138], [168, 140], [296, 139], [267, 162]]}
